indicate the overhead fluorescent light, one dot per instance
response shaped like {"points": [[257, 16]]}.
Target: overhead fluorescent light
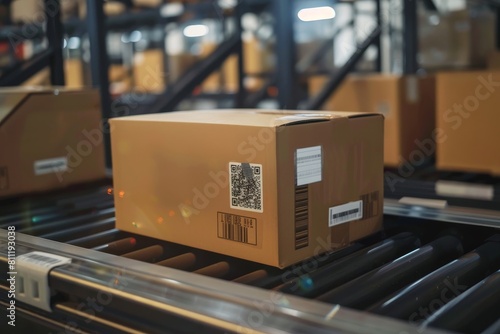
{"points": [[316, 13], [135, 36], [195, 30], [74, 43], [172, 9]]}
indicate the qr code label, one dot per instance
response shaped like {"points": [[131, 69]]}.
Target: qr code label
{"points": [[245, 186]]}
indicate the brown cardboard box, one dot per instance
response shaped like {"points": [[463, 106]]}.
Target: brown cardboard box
{"points": [[494, 60], [73, 72], [27, 11], [42, 78], [460, 38], [49, 138], [407, 102], [259, 185], [468, 121], [178, 64], [149, 71]]}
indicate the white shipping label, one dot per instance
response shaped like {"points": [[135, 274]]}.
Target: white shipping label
{"points": [[54, 165], [412, 93], [465, 190], [308, 163], [245, 186], [345, 213]]}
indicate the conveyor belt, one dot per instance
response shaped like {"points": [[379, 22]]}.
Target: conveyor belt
{"points": [[449, 270]]}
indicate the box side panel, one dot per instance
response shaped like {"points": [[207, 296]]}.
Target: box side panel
{"points": [[51, 142], [417, 119], [173, 181], [467, 117], [351, 170], [375, 94]]}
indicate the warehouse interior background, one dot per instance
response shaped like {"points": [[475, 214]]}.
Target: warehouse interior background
{"points": [[430, 67]]}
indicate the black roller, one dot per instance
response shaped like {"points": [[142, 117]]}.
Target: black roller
{"points": [[493, 329], [471, 312], [365, 290], [341, 271], [434, 290], [277, 277], [81, 231]]}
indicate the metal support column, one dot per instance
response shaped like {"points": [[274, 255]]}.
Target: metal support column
{"points": [[99, 64], [55, 39], [285, 53], [410, 37], [378, 41], [240, 94], [497, 11]]}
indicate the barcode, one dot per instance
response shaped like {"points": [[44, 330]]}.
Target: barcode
{"points": [[235, 233], [345, 213], [237, 228], [40, 259], [246, 186], [371, 204], [301, 216]]}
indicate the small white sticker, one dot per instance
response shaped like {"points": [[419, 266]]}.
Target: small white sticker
{"points": [[32, 279], [47, 166], [465, 190], [412, 94], [345, 213], [308, 165], [245, 190]]}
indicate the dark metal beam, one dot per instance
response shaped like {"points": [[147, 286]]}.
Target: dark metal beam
{"points": [[317, 54], [253, 99], [240, 94], [430, 5], [195, 76], [339, 76], [25, 70], [378, 40], [99, 64], [55, 39], [410, 37], [285, 54]]}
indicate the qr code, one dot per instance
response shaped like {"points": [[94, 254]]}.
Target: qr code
{"points": [[246, 186]]}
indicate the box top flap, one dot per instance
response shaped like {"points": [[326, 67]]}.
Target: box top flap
{"points": [[244, 117], [12, 97], [8, 103]]}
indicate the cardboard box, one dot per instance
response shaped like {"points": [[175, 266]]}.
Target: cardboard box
{"points": [[149, 71], [468, 121], [49, 138], [460, 38], [73, 73], [42, 78], [494, 60], [275, 187], [407, 102]]}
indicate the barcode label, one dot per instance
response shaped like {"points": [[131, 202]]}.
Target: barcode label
{"points": [[345, 213], [32, 279], [44, 260], [245, 186], [308, 165], [301, 216], [46, 166], [237, 228], [371, 204]]}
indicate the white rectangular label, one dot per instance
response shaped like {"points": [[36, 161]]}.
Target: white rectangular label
{"points": [[465, 190], [245, 186], [308, 165], [54, 165], [345, 213]]}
